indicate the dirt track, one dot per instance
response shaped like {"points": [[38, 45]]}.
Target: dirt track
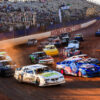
{"points": [[75, 88]]}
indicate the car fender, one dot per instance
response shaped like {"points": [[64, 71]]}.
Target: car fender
{"points": [[82, 71]]}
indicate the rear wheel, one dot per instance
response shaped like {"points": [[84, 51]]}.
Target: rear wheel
{"points": [[20, 78], [37, 81], [80, 74], [62, 71]]}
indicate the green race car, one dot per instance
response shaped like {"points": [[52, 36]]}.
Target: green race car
{"points": [[41, 58]]}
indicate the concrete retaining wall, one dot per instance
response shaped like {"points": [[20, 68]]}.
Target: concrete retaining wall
{"points": [[84, 25], [21, 40], [16, 41]]}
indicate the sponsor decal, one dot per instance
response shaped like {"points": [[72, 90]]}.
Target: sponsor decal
{"points": [[68, 69], [65, 30], [2, 53], [49, 74]]}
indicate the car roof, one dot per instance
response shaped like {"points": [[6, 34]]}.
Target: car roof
{"points": [[38, 52], [78, 34], [80, 55], [77, 56], [87, 66], [73, 59], [49, 46], [73, 40], [5, 60], [34, 67], [68, 47]]}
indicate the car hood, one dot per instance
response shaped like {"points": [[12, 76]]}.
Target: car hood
{"points": [[46, 59], [51, 74]]}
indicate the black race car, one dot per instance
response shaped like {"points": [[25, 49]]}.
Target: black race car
{"points": [[5, 70], [32, 42], [79, 37], [97, 33], [41, 58], [64, 37], [57, 42], [50, 39]]}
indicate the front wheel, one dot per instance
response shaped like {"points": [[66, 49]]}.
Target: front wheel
{"points": [[80, 74]]}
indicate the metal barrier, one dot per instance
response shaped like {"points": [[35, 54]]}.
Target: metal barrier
{"points": [[34, 30]]}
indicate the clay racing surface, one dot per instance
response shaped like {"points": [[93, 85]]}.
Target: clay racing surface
{"points": [[76, 88]]}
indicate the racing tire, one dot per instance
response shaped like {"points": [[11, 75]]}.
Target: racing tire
{"points": [[36, 61], [37, 82], [33, 62], [62, 71], [20, 78], [80, 74]]}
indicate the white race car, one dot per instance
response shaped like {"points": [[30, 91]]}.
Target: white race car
{"points": [[39, 74], [5, 57], [74, 43]]}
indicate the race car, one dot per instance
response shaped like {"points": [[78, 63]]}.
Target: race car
{"points": [[42, 45], [3, 53], [41, 58], [97, 33], [64, 38], [56, 42], [78, 69], [32, 42], [39, 74], [51, 50], [4, 56], [84, 59], [6, 71], [74, 43], [70, 51], [8, 63], [50, 39], [79, 37]]}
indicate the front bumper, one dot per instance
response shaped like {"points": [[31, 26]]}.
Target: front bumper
{"points": [[93, 74], [54, 83]]}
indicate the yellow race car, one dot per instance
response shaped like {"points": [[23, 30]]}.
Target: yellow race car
{"points": [[51, 50]]}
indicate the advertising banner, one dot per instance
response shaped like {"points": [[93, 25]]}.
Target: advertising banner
{"points": [[65, 30]]}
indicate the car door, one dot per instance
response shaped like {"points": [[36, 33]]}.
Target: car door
{"points": [[2, 58], [74, 68], [29, 76], [68, 68]]}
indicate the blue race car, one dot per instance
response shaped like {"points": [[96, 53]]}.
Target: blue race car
{"points": [[97, 33], [78, 69], [79, 37]]}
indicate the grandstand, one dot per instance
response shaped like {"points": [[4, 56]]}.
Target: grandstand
{"points": [[46, 13]]}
